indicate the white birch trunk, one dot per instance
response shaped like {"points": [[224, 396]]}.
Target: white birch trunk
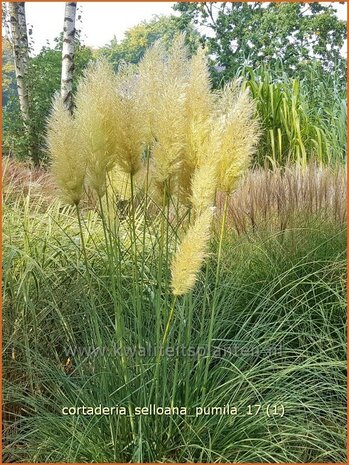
{"points": [[23, 34], [20, 53], [68, 54]]}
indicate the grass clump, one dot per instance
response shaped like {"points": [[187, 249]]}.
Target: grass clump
{"points": [[129, 299], [278, 338]]}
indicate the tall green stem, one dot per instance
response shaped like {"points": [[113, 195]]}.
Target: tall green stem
{"points": [[119, 324], [137, 292], [163, 345], [89, 277], [214, 300], [188, 341]]}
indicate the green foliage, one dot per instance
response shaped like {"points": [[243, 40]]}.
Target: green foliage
{"points": [[138, 38], [43, 81], [302, 119], [254, 33], [281, 310]]}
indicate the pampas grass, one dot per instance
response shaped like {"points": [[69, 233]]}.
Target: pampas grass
{"points": [[129, 125], [204, 186], [158, 143], [281, 304], [96, 119], [163, 115], [64, 144], [239, 135], [189, 258], [162, 119]]}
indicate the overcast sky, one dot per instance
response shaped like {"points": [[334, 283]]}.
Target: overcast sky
{"points": [[101, 21]]}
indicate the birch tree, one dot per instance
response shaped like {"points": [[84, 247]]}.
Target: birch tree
{"points": [[68, 54], [19, 40]]}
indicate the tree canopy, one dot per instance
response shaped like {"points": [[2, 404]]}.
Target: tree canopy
{"points": [[239, 33], [138, 38]]}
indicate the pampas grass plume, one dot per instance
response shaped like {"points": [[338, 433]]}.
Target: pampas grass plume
{"points": [[190, 256], [130, 128], [199, 102], [204, 185], [152, 73], [163, 78], [110, 122], [68, 164], [96, 118], [239, 133]]}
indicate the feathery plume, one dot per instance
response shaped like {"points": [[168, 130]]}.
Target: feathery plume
{"points": [[204, 185], [190, 256], [239, 134], [110, 122], [97, 119], [151, 76], [130, 130], [169, 133], [162, 83], [68, 164], [199, 102], [199, 98]]}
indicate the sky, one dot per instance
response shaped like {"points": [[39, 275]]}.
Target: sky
{"points": [[101, 21]]}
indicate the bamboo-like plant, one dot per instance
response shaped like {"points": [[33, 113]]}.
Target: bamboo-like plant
{"points": [[302, 119]]}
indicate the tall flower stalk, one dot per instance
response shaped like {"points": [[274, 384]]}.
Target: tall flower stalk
{"points": [[153, 144]]}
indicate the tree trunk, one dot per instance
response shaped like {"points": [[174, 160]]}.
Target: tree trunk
{"points": [[19, 40], [68, 54], [20, 54]]}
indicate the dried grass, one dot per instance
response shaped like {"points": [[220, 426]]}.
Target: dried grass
{"points": [[263, 198], [275, 199], [20, 179]]}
